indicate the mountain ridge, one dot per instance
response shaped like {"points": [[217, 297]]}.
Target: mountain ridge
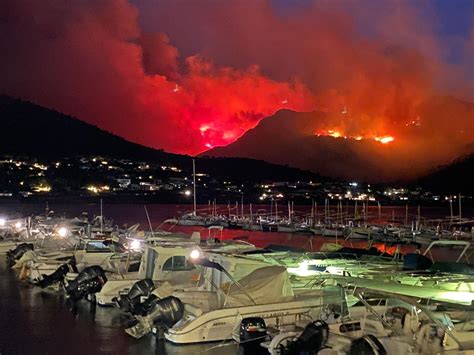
{"points": [[35, 131], [295, 138]]}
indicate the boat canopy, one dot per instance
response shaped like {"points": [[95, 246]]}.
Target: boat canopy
{"points": [[420, 292], [265, 285]]}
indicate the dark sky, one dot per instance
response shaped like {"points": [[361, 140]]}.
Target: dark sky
{"points": [[187, 75]]}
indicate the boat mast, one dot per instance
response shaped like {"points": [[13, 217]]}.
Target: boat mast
{"points": [[289, 212], [101, 217], [406, 214], [149, 221], [451, 209], [194, 188], [460, 211]]}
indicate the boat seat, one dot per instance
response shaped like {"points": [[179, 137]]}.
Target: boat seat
{"points": [[410, 324], [467, 326], [375, 327]]}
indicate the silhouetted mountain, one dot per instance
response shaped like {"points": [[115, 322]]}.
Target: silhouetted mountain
{"points": [[290, 138], [457, 177], [34, 131]]}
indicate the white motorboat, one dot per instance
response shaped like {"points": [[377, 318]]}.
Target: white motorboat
{"points": [[166, 264], [391, 324], [216, 314]]}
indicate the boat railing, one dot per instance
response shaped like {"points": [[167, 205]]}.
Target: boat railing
{"points": [[466, 245]]}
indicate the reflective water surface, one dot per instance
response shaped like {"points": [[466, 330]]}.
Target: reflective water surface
{"points": [[42, 322]]}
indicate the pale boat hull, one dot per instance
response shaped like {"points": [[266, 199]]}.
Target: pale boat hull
{"points": [[8, 245], [222, 324], [113, 289]]}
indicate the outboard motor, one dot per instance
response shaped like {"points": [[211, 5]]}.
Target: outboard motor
{"points": [[166, 312], [18, 252], [314, 337], [253, 331], [414, 261], [131, 302], [88, 282], [367, 345], [57, 276], [148, 305]]}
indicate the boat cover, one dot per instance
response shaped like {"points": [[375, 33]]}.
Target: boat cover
{"points": [[269, 284]]}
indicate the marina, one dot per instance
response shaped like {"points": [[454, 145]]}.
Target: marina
{"points": [[169, 288], [248, 177]]}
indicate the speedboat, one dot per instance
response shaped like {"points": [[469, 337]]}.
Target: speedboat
{"points": [[389, 319], [216, 315]]}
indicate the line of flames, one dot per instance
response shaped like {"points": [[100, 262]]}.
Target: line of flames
{"points": [[385, 139]]}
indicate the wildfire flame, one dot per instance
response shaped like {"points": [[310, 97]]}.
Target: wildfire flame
{"points": [[384, 140], [338, 134]]}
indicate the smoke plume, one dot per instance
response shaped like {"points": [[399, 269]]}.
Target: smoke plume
{"points": [[190, 75]]}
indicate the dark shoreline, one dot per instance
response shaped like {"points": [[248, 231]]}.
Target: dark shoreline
{"points": [[467, 203]]}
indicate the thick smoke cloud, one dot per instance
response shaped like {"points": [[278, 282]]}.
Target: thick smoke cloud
{"points": [[91, 59], [188, 75]]}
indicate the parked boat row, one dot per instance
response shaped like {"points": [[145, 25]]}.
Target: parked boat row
{"points": [[187, 289]]}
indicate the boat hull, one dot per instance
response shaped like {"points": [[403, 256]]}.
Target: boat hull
{"points": [[223, 324]]}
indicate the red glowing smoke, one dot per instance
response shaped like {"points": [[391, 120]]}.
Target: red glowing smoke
{"points": [[90, 59], [204, 72]]}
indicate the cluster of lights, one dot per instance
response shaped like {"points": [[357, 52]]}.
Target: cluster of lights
{"points": [[40, 166], [172, 168], [42, 188], [96, 189]]}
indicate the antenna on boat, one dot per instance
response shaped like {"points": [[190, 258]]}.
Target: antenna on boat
{"points": [[194, 187], [149, 221]]}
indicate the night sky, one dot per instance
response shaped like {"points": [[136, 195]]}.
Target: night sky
{"points": [[189, 75]]}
